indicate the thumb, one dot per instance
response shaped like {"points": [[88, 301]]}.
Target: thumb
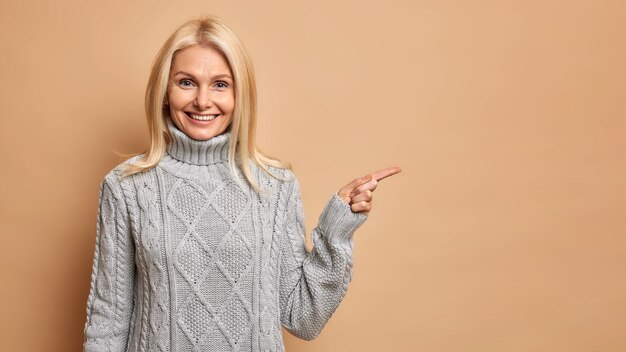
{"points": [[345, 191]]}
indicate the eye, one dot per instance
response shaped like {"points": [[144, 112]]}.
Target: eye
{"points": [[185, 83], [221, 84]]}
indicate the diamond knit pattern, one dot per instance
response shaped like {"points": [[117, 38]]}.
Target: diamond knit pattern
{"points": [[188, 257], [212, 256]]}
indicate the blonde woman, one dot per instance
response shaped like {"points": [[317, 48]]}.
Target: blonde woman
{"points": [[201, 240]]}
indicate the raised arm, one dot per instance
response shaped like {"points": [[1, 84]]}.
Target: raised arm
{"points": [[110, 301], [312, 284]]}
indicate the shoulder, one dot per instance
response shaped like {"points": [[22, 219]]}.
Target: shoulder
{"points": [[289, 186], [287, 174], [115, 178], [274, 181], [284, 178], [115, 174]]}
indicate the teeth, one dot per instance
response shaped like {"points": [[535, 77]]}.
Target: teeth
{"points": [[203, 118]]}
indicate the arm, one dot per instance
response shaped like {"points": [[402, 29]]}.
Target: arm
{"points": [[110, 301], [312, 284]]}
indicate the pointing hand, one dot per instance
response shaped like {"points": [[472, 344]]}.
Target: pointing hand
{"points": [[358, 193]]}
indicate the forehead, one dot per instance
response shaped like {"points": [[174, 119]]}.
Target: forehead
{"points": [[199, 60]]}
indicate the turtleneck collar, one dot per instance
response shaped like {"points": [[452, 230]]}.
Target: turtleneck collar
{"points": [[196, 152]]}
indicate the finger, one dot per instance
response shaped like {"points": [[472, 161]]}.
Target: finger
{"points": [[363, 196], [376, 176], [371, 186], [361, 207], [381, 174], [355, 183]]}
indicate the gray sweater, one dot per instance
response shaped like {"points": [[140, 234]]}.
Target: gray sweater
{"points": [[188, 260]]}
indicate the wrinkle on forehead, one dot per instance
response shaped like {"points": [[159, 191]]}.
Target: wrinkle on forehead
{"points": [[201, 62]]}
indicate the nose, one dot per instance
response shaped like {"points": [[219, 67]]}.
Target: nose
{"points": [[203, 98]]}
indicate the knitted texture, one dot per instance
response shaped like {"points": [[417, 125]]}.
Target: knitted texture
{"points": [[186, 259]]}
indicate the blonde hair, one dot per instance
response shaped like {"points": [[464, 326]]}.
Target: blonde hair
{"points": [[207, 31]]}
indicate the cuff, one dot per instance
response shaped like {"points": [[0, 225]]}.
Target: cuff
{"points": [[338, 222]]}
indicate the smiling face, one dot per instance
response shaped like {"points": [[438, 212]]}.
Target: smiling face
{"points": [[200, 92]]}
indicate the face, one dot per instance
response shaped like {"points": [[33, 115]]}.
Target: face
{"points": [[200, 92]]}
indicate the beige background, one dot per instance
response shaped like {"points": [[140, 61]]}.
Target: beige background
{"points": [[504, 232]]}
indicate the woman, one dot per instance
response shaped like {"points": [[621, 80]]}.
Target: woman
{"points": [[201, 240]]}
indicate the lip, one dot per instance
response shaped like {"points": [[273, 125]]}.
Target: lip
{"points": [[199, 122], [195, 113]]}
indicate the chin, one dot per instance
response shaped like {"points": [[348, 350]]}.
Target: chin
{"points": [[204, 135]]}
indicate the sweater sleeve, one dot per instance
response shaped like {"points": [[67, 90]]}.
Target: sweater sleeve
{"points": [[312, 284], [110, 302]]}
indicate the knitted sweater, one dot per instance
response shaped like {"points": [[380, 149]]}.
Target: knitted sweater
{"points": [[188, 260]]}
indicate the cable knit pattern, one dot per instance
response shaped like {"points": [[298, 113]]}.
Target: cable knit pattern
{"points": [[188, 260]]}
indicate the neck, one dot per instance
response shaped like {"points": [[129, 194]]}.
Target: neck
{"points": [[197, 152]]}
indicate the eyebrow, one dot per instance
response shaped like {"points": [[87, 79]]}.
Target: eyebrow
{"points": [[221, 75]]}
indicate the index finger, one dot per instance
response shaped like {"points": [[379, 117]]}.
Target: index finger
{"points": [[381, 174]]}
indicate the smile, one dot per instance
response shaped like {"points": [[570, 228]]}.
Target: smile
{"points": [[202, 117]]}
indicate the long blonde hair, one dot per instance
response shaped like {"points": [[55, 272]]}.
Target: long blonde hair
{"points": [[207, 31]]}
